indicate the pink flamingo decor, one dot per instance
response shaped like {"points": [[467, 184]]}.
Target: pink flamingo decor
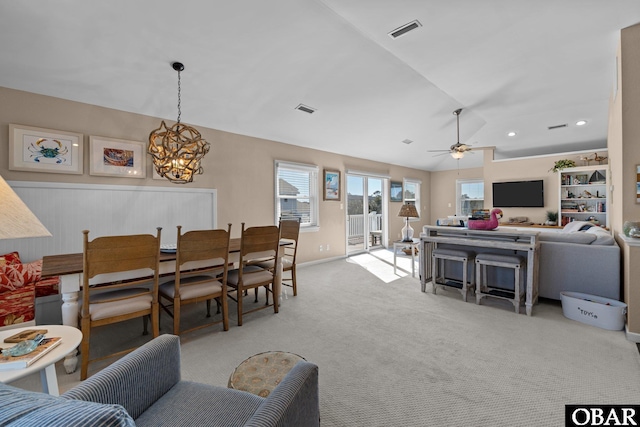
{"points": [[490, 224]]}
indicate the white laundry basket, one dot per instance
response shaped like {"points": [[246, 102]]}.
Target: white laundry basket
{"points": [[593, 310]]}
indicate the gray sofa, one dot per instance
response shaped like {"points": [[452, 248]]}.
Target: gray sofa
{"points": [[144, 389], [579, 258]]}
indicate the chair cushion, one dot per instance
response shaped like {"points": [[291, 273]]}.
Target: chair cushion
{"points": [[188, 291], [27, 408], [17, 306], [510, 259], [251, 275], [100, 307], [194, 404], [454, 252]]}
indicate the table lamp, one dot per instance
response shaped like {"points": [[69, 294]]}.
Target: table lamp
{"points": [[16, 220], [408, 211]]}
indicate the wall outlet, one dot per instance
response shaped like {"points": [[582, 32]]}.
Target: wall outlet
{"points": [[328, 246], [320, 248]]}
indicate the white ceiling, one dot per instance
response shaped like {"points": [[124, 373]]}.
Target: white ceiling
{"points": [[516, 65]]}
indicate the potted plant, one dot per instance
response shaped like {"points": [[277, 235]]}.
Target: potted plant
{"points": [[562, 164], [552, 218]]}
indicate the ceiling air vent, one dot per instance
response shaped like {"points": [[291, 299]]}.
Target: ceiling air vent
{"points": [[407, 141], [401, 31], [557, 126], [306, 109]]}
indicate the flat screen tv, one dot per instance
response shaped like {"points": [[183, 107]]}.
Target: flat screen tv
{"points": [[518, 194]]}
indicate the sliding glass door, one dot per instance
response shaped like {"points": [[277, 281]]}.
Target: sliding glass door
{"points": [[366, 212]]}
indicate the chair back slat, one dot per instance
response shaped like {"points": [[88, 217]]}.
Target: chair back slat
{"points": [[263, 239], [202, 245], [114, 254]]}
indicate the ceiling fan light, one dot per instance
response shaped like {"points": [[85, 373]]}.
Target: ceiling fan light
{"points": [[457, 154], [581, 122]]}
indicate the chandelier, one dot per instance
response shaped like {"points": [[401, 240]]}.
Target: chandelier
{"points": [[178, 150]]}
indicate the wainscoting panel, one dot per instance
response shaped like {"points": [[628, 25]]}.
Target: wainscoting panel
{"points": [[67, 209]]}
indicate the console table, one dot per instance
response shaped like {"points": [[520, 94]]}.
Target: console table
{"points": [[516, 240]]}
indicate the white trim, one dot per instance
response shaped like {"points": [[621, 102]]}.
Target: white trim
{"points": [[369, 174], [631, 336], [297, 166], [540, 156]]}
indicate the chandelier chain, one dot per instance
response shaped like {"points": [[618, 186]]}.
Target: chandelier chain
{"points": [[179, 110]]}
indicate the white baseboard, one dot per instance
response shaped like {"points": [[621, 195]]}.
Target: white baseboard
{"points": [[321, 261], [631, 336]]}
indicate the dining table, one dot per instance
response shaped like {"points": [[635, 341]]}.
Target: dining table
{"points": [[69, 267]]}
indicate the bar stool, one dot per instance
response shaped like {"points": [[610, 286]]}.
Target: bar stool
{"points": [[483, 289], [439, 256]]}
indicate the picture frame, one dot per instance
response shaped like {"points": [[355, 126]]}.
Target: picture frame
{"points": [[117, 157], [583, 179], [331, 185], [37, 149], [637, 183], [395, 191]]}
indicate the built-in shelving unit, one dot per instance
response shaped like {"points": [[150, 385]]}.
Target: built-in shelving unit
{"points": [[584, 194]]}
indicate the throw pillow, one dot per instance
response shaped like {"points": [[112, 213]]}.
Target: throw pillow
{"points": [[603, 237], [14, 276], [572, 237], [10, 258]]}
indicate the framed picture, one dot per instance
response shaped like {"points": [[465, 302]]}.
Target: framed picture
{"points": [[331, 185], [582, 179], [44, 150], [395, 194], [637, 183], [117, 157]]}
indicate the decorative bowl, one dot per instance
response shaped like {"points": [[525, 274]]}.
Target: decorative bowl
{"points": [[631, 229]]}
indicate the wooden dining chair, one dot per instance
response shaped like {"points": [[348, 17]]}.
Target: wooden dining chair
{"points": [[133, 261], [256, 242], [195, 283], [289, 231]]}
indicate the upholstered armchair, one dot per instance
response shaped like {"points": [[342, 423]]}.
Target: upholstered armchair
{"points": [[20, 284]]}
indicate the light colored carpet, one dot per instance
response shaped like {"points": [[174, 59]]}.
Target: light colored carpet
{"points": [[390, 355]]}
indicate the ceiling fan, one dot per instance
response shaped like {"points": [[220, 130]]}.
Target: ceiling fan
{"points": [[457, 150]]}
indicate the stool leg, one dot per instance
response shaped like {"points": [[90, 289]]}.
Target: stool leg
{"points": [[464, 280], [478, 282], [516, 289]]}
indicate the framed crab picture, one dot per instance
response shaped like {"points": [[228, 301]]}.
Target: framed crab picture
{"points": [[44, 150]]}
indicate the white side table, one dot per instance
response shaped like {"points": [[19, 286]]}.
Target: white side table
{"points": [[71, 338], [400, 244]]}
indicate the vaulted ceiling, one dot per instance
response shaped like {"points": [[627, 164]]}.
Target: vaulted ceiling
{"points": [[512, 65]]}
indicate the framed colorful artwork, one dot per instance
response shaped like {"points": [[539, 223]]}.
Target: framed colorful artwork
{"points": [[117, 157], [331, 185], [45, 150], [395, 193]]}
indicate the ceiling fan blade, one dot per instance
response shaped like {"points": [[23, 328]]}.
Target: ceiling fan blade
{"points": [[441, 154], [489, 147], [438, 151]]}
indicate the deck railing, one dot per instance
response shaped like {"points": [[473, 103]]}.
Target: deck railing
{"points": [[356, 226]]}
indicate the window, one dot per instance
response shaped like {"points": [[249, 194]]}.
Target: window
{"points": [[469, 196], [412, 194], [297, 193]]}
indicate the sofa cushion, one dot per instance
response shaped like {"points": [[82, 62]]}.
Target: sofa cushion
{"points": [[193, 404], [603, 237], [27, 408], [570, 237]]}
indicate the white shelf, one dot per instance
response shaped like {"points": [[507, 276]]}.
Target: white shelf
{"points": [[591, 206]]}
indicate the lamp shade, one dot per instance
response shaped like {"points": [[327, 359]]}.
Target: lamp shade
{"points": [[16, 220], [408, 211]]}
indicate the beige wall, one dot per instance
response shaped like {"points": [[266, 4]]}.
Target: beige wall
{"points": [[443, 184], [624, 134], [241, 168]]}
